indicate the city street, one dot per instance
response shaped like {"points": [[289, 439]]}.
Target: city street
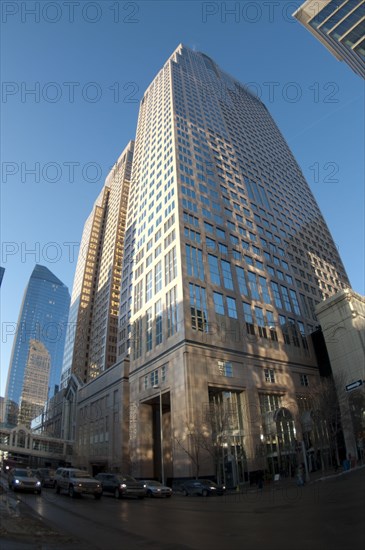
{"points": [[322, 515]]}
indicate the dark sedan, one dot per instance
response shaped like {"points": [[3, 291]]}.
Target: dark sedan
{"points": [[121, 485], [46, 477], [156, 489], [202, 487]]}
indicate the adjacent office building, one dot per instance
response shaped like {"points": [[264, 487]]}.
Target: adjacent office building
{"points": [[339, 25], [226, 257], [43, 317], [91, 345]]}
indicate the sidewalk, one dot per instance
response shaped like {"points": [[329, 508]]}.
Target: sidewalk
{"points": [[22, 529], [286, 482], [319, 475]]}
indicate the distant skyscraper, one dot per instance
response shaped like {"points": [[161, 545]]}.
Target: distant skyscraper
{"points": [[226, 256], [2, 409], [2, 271], [43, 317], [36, 378], [340, 26], [91, 345]]}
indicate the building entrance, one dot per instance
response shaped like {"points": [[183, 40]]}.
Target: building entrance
{"points": [[226, 420]]}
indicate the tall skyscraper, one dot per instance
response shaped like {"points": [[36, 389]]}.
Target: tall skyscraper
{"points": [[43, 317], [2, 271], [226, 256], [339, 25], [35, 387], [91, 345]]}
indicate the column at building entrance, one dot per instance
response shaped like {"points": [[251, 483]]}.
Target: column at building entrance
{"points": [[162, 463]]}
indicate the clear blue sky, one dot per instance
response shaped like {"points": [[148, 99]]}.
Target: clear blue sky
{"points": [[89, 63]]}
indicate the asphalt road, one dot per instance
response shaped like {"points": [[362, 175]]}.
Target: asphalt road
{"points": [[326, 515]]}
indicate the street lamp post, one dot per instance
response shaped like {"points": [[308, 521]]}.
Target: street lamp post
{"points": [[157, 387], [305, 460]]}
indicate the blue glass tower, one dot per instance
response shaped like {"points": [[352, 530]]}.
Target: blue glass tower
{"points": [[43, 317]]}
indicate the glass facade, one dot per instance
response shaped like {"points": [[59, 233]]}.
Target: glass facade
{"points": [[43, 317], [339, 25]]}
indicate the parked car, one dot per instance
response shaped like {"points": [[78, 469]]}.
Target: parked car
{"points": [[58, 474], [203, 487], [156, 489], [121, 485], [77, 482], [24, 479], [46, 476]]}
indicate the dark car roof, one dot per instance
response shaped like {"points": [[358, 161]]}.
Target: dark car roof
{"points": [[118, 476], [79, 473], [200, 481]]}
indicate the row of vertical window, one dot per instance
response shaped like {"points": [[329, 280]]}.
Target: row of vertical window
{"points": [[255, 283], [149, 333], [225, 369], [152, 283], [194, 235], [156, 377], [249, 283], [277, 212], [258, 322]]}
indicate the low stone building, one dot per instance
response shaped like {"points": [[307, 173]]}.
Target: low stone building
{"points": [[342, 318], [102, 422]]}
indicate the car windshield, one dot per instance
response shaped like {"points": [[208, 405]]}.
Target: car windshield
{"points": [[127, 478], [23, 473], [80, 473], [153, 483]]}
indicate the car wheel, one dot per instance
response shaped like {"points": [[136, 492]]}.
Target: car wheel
{"points": [[185, 493], [39, 492], [205, 493], [97, 496], [149, 494], [117, 493], [58, 489], [71, 492]]}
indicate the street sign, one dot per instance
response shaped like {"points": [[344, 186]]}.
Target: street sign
{"points": [[354, 385]]}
